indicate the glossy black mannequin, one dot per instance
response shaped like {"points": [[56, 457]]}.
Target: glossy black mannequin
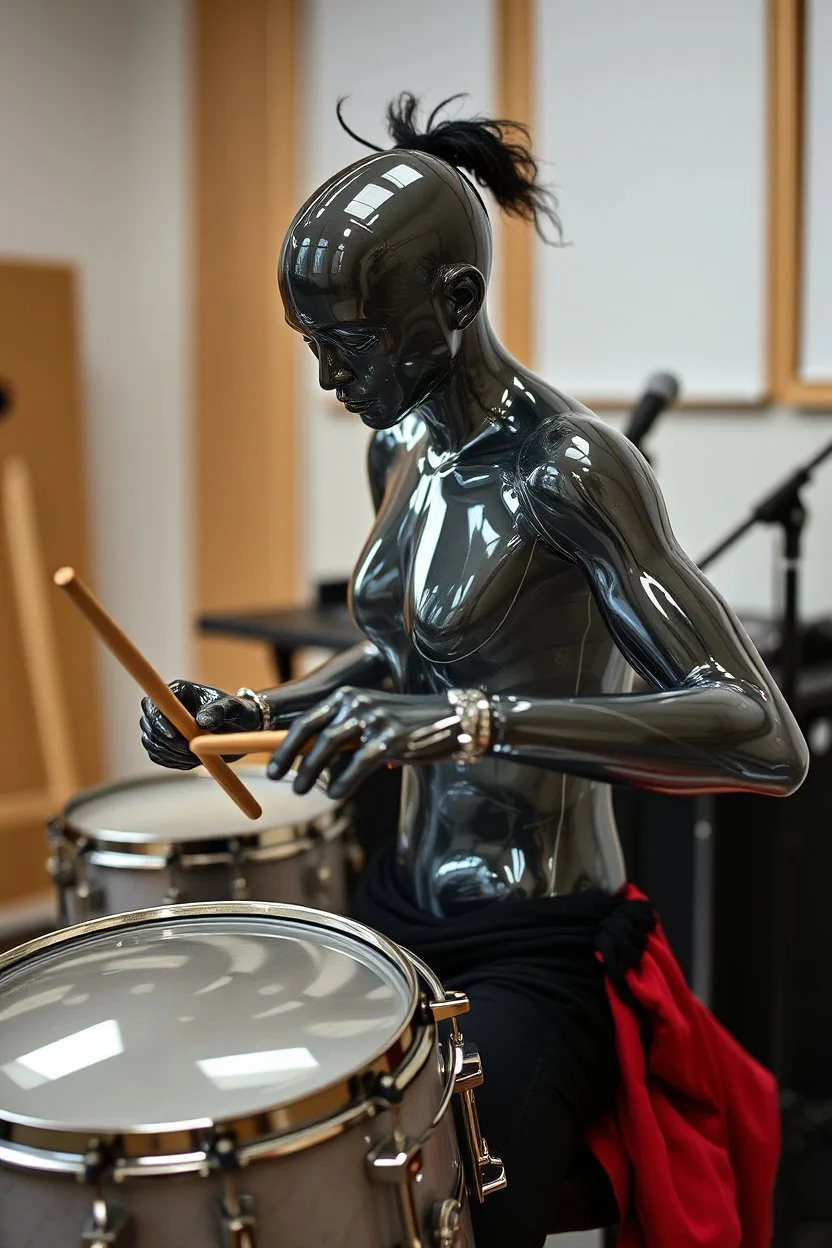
{"points": [[521, 547]]}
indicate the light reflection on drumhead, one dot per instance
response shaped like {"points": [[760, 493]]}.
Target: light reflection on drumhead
{"points": [[174, 1024]]}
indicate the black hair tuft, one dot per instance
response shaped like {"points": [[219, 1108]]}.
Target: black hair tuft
{"points": [[496, 153]]}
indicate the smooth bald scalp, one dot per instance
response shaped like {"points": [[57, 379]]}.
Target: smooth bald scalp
{"points": [[378, 229]]}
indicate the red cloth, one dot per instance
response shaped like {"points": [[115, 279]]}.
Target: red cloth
{"points": [[692, 1145]]}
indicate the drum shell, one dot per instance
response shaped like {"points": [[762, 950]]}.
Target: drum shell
{"points": [[93, 876], [319, 1196], [313, 875]]}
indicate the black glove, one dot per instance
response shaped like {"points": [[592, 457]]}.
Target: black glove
{"points": [[213, 710]]}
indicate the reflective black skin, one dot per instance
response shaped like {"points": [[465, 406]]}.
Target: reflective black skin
{"points": [[521, 547]]}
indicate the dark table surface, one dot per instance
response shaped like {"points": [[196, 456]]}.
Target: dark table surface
{"points": [[331, 626]]}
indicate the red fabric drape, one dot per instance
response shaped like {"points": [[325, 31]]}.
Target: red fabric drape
{"points": [[692, 1145]]}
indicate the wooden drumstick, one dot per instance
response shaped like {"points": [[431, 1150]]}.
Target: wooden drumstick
{"points": [[217, 744], [214, 744], [134, 662]]}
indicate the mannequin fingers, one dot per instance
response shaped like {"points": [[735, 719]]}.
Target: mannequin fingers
{"points": [[153, 720], [326, 749], [307, 726], [367, 760]]}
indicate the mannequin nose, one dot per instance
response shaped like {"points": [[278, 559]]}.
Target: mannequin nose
{"points": [[331, 371]]}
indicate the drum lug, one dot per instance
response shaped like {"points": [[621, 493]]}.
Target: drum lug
{"points": [[239, 883], [106, 1227], [318, 884], [239, 888], [447, 1223], [59, 867], [238, 1221], [354, 855], [399, 1162], [487, 1172], [392, 1163], [452, 1006], [469, 1070], [91, 899], [60, 871]]}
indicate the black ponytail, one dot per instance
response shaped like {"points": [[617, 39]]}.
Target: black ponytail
{"points": [[497, 154]]}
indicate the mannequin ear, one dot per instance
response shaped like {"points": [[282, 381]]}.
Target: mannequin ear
{"points": [[462, 289]]}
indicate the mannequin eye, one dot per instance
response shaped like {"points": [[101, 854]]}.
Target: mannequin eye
{"points": [[358, 341], [311, 344]]}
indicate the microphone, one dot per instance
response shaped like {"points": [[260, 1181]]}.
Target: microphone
{"points": [[661, 391]]}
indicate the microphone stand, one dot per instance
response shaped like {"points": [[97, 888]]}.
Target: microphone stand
{"points": [[782, 506]]}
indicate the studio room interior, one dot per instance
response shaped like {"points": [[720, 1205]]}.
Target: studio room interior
{"points": [[415, 624]]}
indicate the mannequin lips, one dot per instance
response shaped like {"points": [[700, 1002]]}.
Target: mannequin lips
{"points": [[354, 405]]}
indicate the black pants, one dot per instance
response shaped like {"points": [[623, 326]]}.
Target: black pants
{"points": [[540, 1019]]}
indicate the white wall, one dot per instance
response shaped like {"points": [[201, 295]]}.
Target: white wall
{"points": [[713, 466], [94, 171], [652, 115], [370, 50]]}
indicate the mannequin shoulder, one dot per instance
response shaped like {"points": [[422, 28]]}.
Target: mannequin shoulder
{"points": [[574, 452]]}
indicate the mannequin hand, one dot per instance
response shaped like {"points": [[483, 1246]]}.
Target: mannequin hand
{"points": [[213, 710], [369, 729]]}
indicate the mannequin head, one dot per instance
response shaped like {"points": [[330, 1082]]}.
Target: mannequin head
{"points": [[384, 269]]}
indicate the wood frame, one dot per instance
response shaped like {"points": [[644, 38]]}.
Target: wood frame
{"points": [[515, 99], [246, 191], [786, 39]]}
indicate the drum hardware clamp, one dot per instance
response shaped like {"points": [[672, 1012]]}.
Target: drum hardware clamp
{"points": [[90, 896], [467, 1076], [239, 883], [238, 1219], [399, 1161], [447, 1222], [106, 1227], [173, 864]]}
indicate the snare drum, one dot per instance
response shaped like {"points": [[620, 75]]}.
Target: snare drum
{"points": [[177, 837], [231, 1075]]}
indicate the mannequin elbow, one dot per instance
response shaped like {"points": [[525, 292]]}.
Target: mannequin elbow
{"points": [[791, 765], [797, 766]]}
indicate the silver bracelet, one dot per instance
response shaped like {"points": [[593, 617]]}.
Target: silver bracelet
{"points": [[473, 711], [259, 701]]}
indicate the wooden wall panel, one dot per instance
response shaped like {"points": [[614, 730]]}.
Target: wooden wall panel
{"points": [[246, 194], [515, 89], [39, 365], [787, 85]]}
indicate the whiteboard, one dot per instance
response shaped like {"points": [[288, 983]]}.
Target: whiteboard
{"points": [[815, 356], [370, 50], [651, 114]]}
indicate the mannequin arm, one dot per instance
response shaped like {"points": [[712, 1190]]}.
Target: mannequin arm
{"points": [[715, 718], [362, 666]]}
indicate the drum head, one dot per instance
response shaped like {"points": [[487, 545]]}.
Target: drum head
{"points": [[185, 808], [193, 1020]]}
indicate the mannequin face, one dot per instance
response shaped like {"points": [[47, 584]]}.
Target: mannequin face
{"points": [[385, 364], [376, 274]]}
